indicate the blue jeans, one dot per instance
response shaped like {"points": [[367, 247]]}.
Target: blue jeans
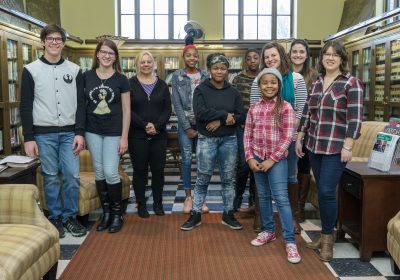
{"points": [[327, 171], [186, 145], [273, 184], [57, 156], [209, 150], [105, 157], [292, 160]]}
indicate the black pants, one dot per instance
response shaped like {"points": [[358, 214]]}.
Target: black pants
{"points": [[144, 152], [303, 165]]}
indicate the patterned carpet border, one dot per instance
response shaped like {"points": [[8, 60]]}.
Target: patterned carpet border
{"points": [[156, 248]]}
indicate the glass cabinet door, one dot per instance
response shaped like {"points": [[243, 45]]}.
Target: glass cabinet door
{"points": [[171, 64], [394, 93], [379, 81], [85, 62], [355, 66], [12, 61], [366, 72], [128, 66], [26, 54]]}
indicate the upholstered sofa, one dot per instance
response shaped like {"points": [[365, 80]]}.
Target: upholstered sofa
{"points": [[88, 197], [361, 151], [393, 242], [30, 246]]}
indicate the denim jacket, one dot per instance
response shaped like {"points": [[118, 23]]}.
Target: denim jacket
{"points": [[182, 95]]}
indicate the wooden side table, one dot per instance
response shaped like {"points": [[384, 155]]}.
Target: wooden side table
{"points": [[368, 199], [19, 175]]}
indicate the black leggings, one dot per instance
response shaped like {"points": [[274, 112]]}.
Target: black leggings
{"points": [[144, 152]]}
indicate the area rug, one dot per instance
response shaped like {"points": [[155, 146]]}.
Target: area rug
{"points": [[156, 248]]}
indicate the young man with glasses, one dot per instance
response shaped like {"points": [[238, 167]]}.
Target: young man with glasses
{"points": [[53, 120]]}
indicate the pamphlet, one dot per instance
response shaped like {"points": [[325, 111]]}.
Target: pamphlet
{"points": [[3, 167], [17, 159], [381, 157]]}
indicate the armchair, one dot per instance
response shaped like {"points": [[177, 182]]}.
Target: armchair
{"points": [[30, 246], [88, 197]]}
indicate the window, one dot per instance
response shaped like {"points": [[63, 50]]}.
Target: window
{"points": [[258, 19], [153, 19], [391, 5]]}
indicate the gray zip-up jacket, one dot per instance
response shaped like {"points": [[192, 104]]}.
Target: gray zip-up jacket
{"points": [[182, 96]]}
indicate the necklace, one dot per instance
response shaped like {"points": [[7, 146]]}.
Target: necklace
{"points": [[103, 81]]}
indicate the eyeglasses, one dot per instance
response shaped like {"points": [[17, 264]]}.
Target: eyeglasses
{"points": [[57, 40], [333, 55], [103, 52]]}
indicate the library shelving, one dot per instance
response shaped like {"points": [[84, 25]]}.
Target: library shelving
{"points": [[375, 59]]}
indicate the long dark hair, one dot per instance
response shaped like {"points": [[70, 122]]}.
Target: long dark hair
{"points": [[306, 71], [340, 50], [107, 42], [285, 65]]}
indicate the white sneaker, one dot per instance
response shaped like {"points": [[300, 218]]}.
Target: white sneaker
{"points": [[293, 255]]}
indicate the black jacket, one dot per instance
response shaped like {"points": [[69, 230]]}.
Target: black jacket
{"points": [[211, 103]]}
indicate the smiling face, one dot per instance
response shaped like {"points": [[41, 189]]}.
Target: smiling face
{"points": [[53, 45], [298, 55], [269, 86], [331, 60], [218, 72], [191, 58], [106, 56], [272, 58], [146, 65]]}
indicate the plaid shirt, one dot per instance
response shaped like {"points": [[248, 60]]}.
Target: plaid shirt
{"points": [[330, 117], [265, 137]]}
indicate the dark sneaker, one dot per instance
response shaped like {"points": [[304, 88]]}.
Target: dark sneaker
{"points": [[229, 220], [59, 226], [193, 221], [74, 227]]}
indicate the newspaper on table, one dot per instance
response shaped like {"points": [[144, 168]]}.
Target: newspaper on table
{"points": [[386, 150]]}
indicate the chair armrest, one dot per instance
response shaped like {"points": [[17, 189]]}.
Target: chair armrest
{"points": [[18, 205]]}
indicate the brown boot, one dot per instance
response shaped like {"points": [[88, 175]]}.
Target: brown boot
{"points": [[293, 190], [304, 185], [327, 242], [315, 245], [257, 226]]}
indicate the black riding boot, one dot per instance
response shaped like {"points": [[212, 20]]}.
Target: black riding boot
{"points": [[115, 194], [101, 187]]}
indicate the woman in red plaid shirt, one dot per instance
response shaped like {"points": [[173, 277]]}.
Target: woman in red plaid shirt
{"points": [[332, 119], [269, 130]]}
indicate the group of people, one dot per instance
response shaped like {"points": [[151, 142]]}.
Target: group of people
{"points": [[277, 120]]}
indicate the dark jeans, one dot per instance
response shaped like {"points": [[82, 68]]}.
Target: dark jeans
{"points": [[243, 170], [144, 152], [327, 171]]}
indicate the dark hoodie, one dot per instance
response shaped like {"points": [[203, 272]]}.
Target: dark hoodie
{"points": [[210, 103]]}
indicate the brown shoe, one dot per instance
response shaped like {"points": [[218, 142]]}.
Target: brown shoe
{"points": [[315, 245], [293, 191], [327, 242]]}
